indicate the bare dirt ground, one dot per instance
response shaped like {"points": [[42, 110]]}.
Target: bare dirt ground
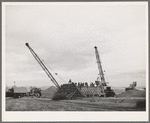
{"points": [[86, 104]]}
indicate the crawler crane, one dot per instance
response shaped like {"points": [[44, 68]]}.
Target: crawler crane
{"points": [[66, 91], [102, 83], [101, 89]]}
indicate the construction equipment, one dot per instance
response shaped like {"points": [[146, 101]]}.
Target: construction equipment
{"points": [[100, 67], [43, 66], [34, 91], [71, 90], [132, 86], [16, 92], [105, 90], [99, 88], [66, 91]]}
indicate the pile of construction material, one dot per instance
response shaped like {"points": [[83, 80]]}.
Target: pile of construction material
{"points": [[49, 92], [118, 90], [133, 93]]}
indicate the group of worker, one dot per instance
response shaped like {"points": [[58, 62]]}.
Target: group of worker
{"points": [[82, 84]]}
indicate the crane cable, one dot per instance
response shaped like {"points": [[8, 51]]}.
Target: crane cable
{"points": [[56, 73]]}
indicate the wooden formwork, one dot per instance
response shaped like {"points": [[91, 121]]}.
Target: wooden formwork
{"points": [[92, 91], [71, 91]]}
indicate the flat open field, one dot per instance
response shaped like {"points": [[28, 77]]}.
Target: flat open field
{"points": [[85, 104]]}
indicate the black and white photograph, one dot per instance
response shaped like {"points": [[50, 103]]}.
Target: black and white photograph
{"points": [[75, 61]]}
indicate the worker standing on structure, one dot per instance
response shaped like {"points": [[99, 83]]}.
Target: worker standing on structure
{"points": [[69, 81]]}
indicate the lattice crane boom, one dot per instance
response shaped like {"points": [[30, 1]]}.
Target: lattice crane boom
{"points": [[43, 66], [102, 78]]}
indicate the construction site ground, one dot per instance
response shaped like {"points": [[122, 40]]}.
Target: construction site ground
{"points": [[84, 104]]}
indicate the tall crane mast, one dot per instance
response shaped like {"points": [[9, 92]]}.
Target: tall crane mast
{"points": [[102, 78], [43, 66]]}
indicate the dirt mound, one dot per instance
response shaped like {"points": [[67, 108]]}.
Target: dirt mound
{"points": [[52, 88], [133, 93], [49, 92], [118, 90]]}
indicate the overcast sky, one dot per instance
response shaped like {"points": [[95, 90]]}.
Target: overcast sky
{"points": [[64, 36]]}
